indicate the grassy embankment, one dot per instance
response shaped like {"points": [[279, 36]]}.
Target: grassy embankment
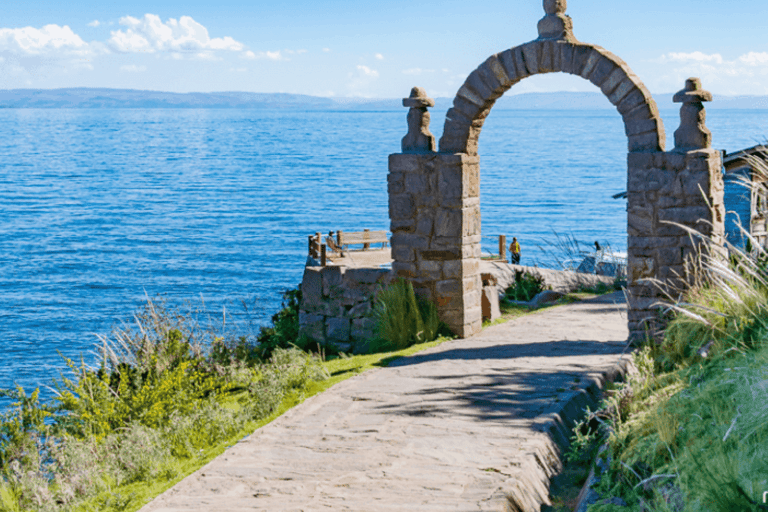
{"points": [[688, 431], [168, 397]]}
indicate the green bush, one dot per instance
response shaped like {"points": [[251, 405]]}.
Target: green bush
{"points": [[402, 319], [526, 286], [162, 394]]}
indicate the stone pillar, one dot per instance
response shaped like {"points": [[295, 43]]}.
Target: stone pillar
{"points": [[683, 187], [434, 210]]}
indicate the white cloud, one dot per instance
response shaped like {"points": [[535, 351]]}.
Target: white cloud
{"points": [[366, 71], [692, 57], [185, 35], [94, 23], [133, 68], [276, 55], [51, 39], [379, 56], [746, 74], [417, 71], [326, 50]]}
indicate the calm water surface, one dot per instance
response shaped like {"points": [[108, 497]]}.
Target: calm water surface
{"points": [[102, 208]]}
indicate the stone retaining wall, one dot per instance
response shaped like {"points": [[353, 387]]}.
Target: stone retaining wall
{"points": [[337, 302]]}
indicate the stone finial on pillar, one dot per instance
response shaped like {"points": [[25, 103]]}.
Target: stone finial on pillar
{"points": [[692, 133], [556, 24], [418, 138]]}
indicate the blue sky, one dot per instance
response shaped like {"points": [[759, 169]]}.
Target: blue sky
{"points": [[368, 49]]}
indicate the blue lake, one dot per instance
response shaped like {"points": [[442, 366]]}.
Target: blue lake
{"points": [[102, 208]]}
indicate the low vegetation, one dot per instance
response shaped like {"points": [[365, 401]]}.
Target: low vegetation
{"points": [[402, 319], [687, 431], [526, 287]]}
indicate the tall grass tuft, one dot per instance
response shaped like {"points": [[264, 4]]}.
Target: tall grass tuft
{"points": [[688, 432], [401, 319]]}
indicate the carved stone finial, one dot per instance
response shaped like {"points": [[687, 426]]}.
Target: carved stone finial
{"points": [[418, 138], [556, 24], [692, 133]]}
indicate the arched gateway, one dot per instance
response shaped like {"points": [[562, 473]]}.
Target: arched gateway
{"points": [[434, 196]]}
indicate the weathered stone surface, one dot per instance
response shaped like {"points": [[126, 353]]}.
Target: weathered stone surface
{"points": [[337, 329], [312, 285]]}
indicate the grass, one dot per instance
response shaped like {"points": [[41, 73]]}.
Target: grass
{"points": [[132, 497], [687, 431]]}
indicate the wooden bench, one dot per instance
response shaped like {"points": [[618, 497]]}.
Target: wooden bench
{"points": [[364, 238]]}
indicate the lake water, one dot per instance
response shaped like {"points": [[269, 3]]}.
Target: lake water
{"points": [[102, 208]]}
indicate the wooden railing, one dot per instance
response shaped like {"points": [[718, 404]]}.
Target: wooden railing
{"points": [[339, 242]]}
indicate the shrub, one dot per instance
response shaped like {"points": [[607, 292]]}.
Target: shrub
{"points": [[161, 394], [403, 320], [284, 332], [526, 286]]}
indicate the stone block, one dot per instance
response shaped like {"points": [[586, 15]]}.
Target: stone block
{"points": [[365, 275], [402, 162], [639, 162], [530, 54], [546, 57], [612, 81], [519, 61], [652, 242], [465, 109], [473, 299], [404, 269], [401, 206], [416, 183], [640, 268], [469, 94], [491, 81], [490, 304], [448, 223], [337, 329], [452, 269], [362, 329], [566, 50], [627, 84], [395, 183], [507, 60], [590, 61], [424, 224], [312, 326], [402, 225], [476, 83], [360, 310], [648, 141], [689, 215], [496, 67], [638, 126], [632, 100], [332, 279], [448, 287], [639, 226], [312, 286], [602, 70]]}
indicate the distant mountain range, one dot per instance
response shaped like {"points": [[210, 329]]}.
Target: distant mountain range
{"points": [[128, 98]]}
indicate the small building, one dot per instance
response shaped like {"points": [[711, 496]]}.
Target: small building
{"points": [[743, 204]]}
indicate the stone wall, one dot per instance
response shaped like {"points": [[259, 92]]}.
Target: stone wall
{"points": [[337, 302]]}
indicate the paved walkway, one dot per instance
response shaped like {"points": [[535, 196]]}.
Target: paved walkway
{"points": [[467, 425]]}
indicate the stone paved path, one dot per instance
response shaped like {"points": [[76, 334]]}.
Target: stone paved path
{"points": [[468, 425]]}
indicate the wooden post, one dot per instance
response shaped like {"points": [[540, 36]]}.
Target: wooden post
{"points": [[338, 243], [503, 247], [366, 236], [323, 257]]}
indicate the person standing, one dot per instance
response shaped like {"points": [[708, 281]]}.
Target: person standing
{"points": [[514, 252]]}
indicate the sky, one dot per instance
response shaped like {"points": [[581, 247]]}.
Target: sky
{"points": [[345, 48]]}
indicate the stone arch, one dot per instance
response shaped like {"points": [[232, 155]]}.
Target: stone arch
{"points": [[474, 100]]}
